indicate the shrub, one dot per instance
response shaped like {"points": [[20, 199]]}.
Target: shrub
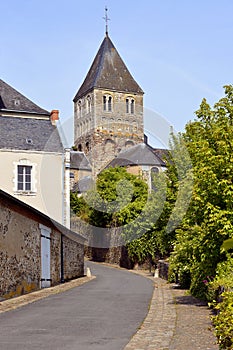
{"points": [[223, 321], [222, 288]]}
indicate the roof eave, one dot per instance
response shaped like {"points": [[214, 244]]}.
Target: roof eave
{"points": [[24, 112]]}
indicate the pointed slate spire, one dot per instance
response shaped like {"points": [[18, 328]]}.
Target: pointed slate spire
{"points": [[108, 71]]}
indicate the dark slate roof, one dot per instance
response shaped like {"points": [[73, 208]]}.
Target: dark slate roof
{"points": [[162, 153], [10, 201], [139, 154], [108, 71], [84, 185], [12, 100], [16, 133], [78, 160]]}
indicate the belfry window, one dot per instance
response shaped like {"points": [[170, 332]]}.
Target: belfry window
{"points": [[130, 104], [127, 105], [88, 104], [107, 103], [79, 108], [132, 107]]}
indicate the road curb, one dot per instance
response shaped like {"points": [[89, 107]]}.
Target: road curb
{"points": [[14, 303]]}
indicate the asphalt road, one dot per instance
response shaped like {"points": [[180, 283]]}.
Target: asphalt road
{"points": [[102, 314]]}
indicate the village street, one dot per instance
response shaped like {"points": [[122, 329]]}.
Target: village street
{"points": [[100, 315]]}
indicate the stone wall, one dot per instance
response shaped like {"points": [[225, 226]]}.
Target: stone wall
{"points": [[20, 250], [19, 253], [55, 249], [73, 259], [102, 246]]}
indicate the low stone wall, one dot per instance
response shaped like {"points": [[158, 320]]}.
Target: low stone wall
{"points": [[102, 245], [73, 259]]}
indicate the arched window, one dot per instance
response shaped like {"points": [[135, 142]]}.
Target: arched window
{"points": [[79, 108], [88, 104], [104, 103], [129, 143], [107, 103], [80, 147], [127, 105], [130, 105]]}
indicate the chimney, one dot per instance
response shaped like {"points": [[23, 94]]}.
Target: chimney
{"points": [[54, 116]]}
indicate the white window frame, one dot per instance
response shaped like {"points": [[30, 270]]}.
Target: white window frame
{"points": [[25, 163]]}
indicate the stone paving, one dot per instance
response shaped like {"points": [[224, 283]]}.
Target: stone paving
{"points": [[175, 321]]}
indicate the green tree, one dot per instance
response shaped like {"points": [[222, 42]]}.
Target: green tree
{"points": [[209, 219]]}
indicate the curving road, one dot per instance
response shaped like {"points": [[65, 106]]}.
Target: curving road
{"points": [[100, 315]]}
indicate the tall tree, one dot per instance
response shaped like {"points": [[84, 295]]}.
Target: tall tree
{"points": [[209, 220]]}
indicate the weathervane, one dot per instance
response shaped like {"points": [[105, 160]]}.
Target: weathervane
{"points": [[106, 18]]}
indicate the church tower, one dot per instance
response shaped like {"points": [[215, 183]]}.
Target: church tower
{"points": [[108, 109]]}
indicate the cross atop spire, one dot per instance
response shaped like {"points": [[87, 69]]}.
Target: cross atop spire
{"points": [[106, 18]]}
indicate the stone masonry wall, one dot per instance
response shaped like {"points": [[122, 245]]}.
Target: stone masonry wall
{"points": [[73, 258], [20, 253], [55, 249], [103, 134], [107, 247]]}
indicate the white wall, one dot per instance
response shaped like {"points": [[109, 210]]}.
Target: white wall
{"points": [[47, 195]]}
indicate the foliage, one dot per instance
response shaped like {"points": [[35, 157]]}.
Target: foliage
{"points": [[118, 199], [224, 275], [223, 321], [227, 244], [221, 289], [209, 219]]}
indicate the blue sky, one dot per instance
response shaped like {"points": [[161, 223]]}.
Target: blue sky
{"points": [[178, 51]]}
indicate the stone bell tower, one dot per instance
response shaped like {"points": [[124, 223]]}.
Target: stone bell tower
{"points": [[108, 108]]}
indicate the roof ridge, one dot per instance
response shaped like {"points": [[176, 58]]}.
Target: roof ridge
{"points": [[13, 100]]}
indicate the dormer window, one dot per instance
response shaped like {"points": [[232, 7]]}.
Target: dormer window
{"points": [[107, 103], [17, 102], [130, 104]]}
